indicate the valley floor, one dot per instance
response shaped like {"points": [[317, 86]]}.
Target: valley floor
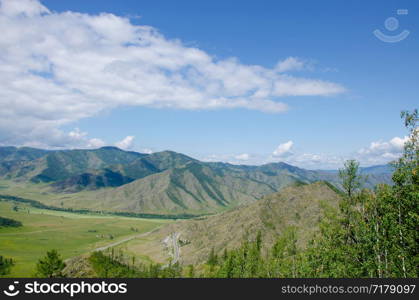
{"points": [[72, 234]]}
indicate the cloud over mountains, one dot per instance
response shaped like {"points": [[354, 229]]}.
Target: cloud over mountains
{"points": [[57, 68]]}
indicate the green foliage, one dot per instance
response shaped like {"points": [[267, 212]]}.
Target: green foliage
{"points": [[248, 261], [244, 262], [351, 180], [6, 222], [114, 266], [374, 233], [40, 205], [191, 271], [5, 265], [51, 266], [67, 232], [284, 259], [213, 258]]}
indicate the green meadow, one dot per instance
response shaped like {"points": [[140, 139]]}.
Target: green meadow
{"points": [[71, 234]]}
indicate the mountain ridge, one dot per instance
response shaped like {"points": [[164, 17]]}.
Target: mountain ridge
{"points": [[112, 179]]}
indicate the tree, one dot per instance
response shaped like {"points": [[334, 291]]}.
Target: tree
{"points": [[374, 233], [51, 266], [191, 271], [213, 258], [351, 179], [5, 265], [402, 217], [283, 260]]}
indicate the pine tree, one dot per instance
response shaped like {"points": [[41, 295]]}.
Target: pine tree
{"points": [[213, 258], [5, 265], [51, 265]]}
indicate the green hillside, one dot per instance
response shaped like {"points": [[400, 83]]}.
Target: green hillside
{"points": [[300, 206], [167, 182]]}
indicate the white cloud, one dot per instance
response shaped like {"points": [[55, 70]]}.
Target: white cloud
{"points": [[146, 151], [126, 143], [243, 156], [57, 68], [283, 149], [290, 64], [79, 139], [302, 160], [315, 160], [379, 152], [77, 134], [376, 153], [56, 139], [235, 159], [95, 143], [28, 8]]}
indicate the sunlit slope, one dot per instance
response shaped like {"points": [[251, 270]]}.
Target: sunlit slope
{"points": [[299, 206]]}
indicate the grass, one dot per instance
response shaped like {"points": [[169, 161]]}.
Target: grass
{"points": [[39, 191], [91, 200], [145, 250], [71, 234]]}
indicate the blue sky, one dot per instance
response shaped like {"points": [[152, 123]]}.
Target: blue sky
{"points": [[348, 106]]}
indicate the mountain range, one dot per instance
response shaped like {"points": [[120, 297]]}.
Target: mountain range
{"points": [[114, 180]]}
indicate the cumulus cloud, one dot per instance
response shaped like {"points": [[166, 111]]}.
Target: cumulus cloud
{"points": [[57, 68], [376, 153], [56, 139], [235, 159], [126, 143], [303, 160], [146, 151], [290, 64], [379, 152], [95, 143], [79, 139], [283, 149], [315, 160]]}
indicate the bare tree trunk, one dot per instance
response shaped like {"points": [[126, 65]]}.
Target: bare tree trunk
{"points": [[377, 251], [401, 241]]}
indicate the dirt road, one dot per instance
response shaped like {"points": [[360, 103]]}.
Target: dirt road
{"points": [[172, 243], [124, 240]]}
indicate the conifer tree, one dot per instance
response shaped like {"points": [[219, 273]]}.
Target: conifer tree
{"points": [[51, 265]]}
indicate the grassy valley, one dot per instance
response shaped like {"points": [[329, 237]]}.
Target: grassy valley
{"points": [[71, 234]]}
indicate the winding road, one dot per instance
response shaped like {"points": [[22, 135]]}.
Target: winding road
{"points": [[175, 253], [124, 240]]}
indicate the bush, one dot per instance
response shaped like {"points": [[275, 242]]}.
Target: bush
{"points": [[6, 222], [5, 265]]}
